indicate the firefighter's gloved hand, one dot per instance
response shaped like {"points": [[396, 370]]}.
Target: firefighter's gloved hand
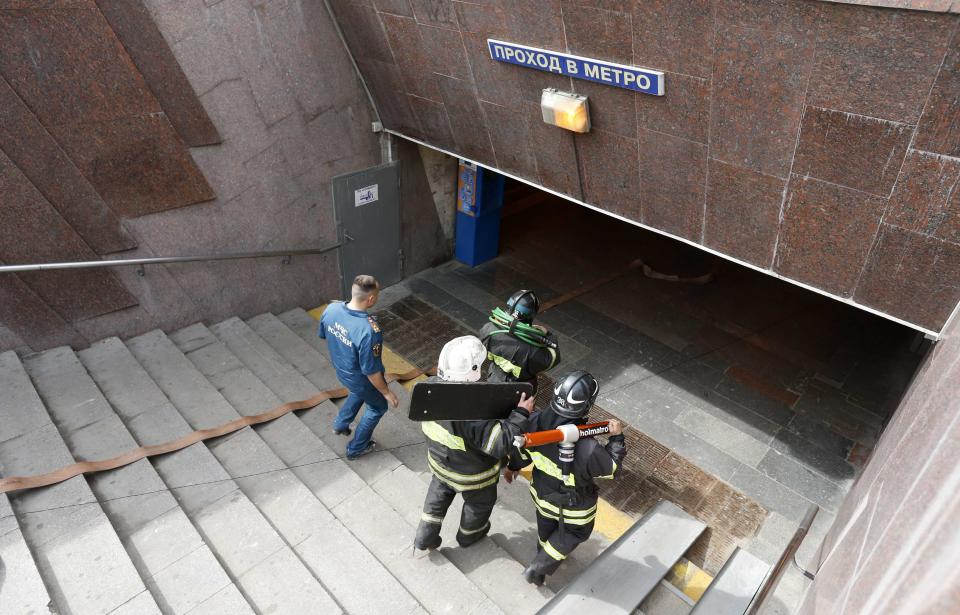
{"points": [[526, 403], [510, 475], [616, 427]]}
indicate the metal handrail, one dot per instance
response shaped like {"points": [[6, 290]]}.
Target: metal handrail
{"points": [[160, 260], [788, 556]]}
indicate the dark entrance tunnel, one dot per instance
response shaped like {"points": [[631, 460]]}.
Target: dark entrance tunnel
{"points": [[764, 382]]}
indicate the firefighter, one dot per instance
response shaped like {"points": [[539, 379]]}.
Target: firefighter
{"points": [[518, 349], [465, 457], [566, 509]]}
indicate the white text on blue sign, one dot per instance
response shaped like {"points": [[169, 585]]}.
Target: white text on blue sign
{"points": [[629, 77]]}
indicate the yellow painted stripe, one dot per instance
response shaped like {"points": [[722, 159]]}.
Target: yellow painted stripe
{"points": [[611, 523], [393, 362], [690, 579]]}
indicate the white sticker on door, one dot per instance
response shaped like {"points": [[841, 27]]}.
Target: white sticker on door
{"points": [[367, 195]]}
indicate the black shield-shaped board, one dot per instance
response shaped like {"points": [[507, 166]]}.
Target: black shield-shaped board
{"points": [[465, 401]]}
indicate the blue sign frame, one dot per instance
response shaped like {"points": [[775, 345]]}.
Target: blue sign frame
{"points": [[641, 80], [468, 188]]}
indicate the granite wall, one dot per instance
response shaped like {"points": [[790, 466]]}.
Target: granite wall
{"points": [[813, 139], [169, 127], [894, 546]]}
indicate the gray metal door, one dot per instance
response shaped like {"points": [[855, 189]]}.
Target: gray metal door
{"points": [[367, 206]]}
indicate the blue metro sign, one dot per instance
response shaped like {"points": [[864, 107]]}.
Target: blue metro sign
{"points": [[618, 75]]}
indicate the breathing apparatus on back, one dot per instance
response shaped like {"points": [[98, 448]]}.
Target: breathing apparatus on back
{"points": [[517, 320]]}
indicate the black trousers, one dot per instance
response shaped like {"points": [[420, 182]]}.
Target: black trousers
{"points": [[474, 520], [556, 543]]}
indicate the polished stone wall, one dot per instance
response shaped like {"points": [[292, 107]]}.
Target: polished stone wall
{"points": [[812, 139], [164, 127], [893, 547]]}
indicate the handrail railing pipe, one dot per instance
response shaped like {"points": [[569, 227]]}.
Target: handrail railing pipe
{"points": [[162, 260], [788, 556]]}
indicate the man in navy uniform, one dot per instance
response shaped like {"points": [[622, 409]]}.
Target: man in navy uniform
{"points": [[356, 343]]}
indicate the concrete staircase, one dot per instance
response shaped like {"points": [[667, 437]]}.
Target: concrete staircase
{"points": [[269, 519]]}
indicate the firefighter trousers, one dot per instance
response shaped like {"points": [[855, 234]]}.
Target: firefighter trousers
{"points": [[557, 542], [474, 520]]}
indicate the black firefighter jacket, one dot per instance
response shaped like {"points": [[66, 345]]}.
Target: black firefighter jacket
{"points": [[468, 455], [578, 496]]}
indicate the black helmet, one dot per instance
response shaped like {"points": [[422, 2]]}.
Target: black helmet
{"points": [[573, 396], [523, 305]]}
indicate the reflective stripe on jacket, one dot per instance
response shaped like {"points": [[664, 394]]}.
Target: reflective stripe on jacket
{"points": [[579, 492], [468, 455], [513, 359]]}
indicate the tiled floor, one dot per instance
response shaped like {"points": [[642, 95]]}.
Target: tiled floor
{"points": [[779, 391]]}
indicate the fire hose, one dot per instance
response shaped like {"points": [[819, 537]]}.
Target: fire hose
{"points": [[17, 483]]}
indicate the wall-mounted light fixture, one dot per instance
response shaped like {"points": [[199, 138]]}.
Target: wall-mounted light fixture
{"points": [[566, 110]]}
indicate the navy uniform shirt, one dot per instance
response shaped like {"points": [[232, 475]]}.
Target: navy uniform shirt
{"points": [[355, 344]]}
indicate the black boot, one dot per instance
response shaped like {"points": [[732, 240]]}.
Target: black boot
{"points": [[428, 544], [466, 540], [532, 576]]}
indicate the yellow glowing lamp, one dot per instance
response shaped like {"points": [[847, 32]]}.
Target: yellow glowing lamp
{"points": [[566, 110]]}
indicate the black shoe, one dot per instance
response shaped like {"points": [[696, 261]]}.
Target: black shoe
{"points": [[371, 446], [468, 540], [434, 544], [532, 577], [342, 432]]}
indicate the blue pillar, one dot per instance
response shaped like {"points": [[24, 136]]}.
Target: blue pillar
{"points": [[479, 202]]}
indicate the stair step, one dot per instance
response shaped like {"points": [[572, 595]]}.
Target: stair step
{"points": [[282, 500], [22, 589], [513, 526], [665, 599], [335, 555], [288, 384], [439, 586], [458, 593], [401, 431], [248, 548], [626, 572], [77, 551], [305, 326], [493, 569], [316, 368], [295, 350], [734, 587], [169, 554]]}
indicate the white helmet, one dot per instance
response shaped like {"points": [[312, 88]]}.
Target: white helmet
{"points": [[461, 359]]}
